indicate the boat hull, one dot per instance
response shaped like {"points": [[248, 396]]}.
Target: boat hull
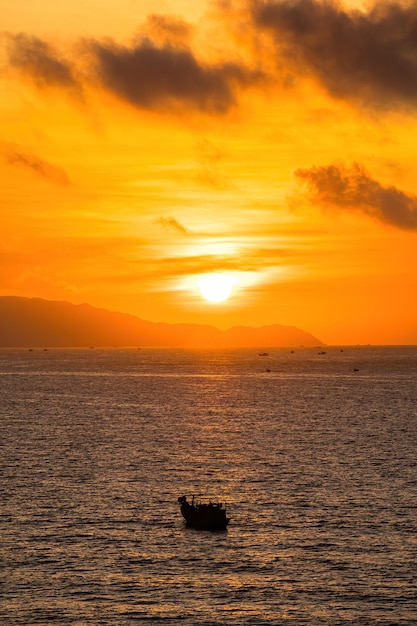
{"points": [[204, 517]]}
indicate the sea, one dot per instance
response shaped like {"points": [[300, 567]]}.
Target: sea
{"points": [[312, 450]]}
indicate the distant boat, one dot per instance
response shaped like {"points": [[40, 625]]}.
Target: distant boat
{"points": [[263, 354], [203, 514]]}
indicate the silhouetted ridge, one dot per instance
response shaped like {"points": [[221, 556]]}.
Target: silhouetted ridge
{"points": [[33, 322]]}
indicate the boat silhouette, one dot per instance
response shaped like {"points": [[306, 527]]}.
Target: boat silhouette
{"points": [[203, 514]]}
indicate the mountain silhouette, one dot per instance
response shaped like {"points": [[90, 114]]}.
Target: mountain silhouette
{"points": [[33, 322]]}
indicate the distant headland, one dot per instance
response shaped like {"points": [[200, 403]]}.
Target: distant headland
{"points": [[34, 322]]}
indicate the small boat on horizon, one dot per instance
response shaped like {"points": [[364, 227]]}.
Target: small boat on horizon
{"points": [[203, 514]]}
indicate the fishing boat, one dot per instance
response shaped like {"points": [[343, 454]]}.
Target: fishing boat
{"points": [[203, 514]]}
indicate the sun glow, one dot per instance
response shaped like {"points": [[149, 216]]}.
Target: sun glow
{"points": [[216, 287]]}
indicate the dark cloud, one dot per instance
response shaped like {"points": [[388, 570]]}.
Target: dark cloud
{"points": [[367, 55], [173, 224], [156, 77], [158, 71], [39, 60], [46, 170], [354, 189], [370, 56]]}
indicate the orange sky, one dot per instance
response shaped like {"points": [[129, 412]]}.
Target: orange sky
{"points": [[146, 144]]}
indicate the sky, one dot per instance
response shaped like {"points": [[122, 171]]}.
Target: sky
{"points": [[147, 145]]}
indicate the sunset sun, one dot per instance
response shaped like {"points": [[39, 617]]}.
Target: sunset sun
{"points": [[216, 287]]}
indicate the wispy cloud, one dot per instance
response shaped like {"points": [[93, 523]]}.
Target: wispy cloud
{"points": [[173, 224], [353, 188], [209, 156], [165, 29], [200, 264], [16, 157]]}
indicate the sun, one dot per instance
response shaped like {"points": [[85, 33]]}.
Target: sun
{"points": [[216, 287]]}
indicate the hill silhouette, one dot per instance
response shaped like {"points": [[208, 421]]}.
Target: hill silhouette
{"points": [[33, 322]]}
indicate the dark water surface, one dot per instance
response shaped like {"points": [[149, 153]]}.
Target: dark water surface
{"points": [[316, 461]]}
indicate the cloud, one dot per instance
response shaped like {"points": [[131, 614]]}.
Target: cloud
{"points": [[157, 71], [152, 76], [166, 29], [41, 62], [38, 276], [173, 224], [46, 170], [353, 188], [370, 56], [209, 157], [200, 264]]}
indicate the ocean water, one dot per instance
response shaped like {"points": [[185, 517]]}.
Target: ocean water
{"points": [[314, 455]]}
